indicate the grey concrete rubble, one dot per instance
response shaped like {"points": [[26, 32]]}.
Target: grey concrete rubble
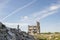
{"points": [[13, 34]]}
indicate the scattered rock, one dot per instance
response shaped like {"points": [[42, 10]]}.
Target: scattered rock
{"points": [[13, 34]]}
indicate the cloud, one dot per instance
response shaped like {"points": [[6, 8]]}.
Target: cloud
{"points": [[51, 8], [54, 7], [19, 9], [25, 17], [46, 12], [45, 15], [41, 14]]}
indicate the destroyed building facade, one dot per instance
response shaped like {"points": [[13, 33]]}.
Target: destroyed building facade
{"points": [[34, 30]]}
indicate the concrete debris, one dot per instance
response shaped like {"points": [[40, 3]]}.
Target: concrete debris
{"points": [[13, 34]]}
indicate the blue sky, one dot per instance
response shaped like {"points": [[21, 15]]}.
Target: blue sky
{"points": [[27, 12]]}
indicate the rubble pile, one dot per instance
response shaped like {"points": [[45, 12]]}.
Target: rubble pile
{"points": [[13, 34]]}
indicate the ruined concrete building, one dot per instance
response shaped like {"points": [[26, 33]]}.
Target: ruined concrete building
{"points": [[34, 30]]}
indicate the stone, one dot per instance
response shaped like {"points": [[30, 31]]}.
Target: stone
{"points": [[13, 34]]}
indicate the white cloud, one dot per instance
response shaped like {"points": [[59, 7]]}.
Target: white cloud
{"points": [[46, 12], [40, 15], [45, 15], [54, 7], [25, 17]]}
